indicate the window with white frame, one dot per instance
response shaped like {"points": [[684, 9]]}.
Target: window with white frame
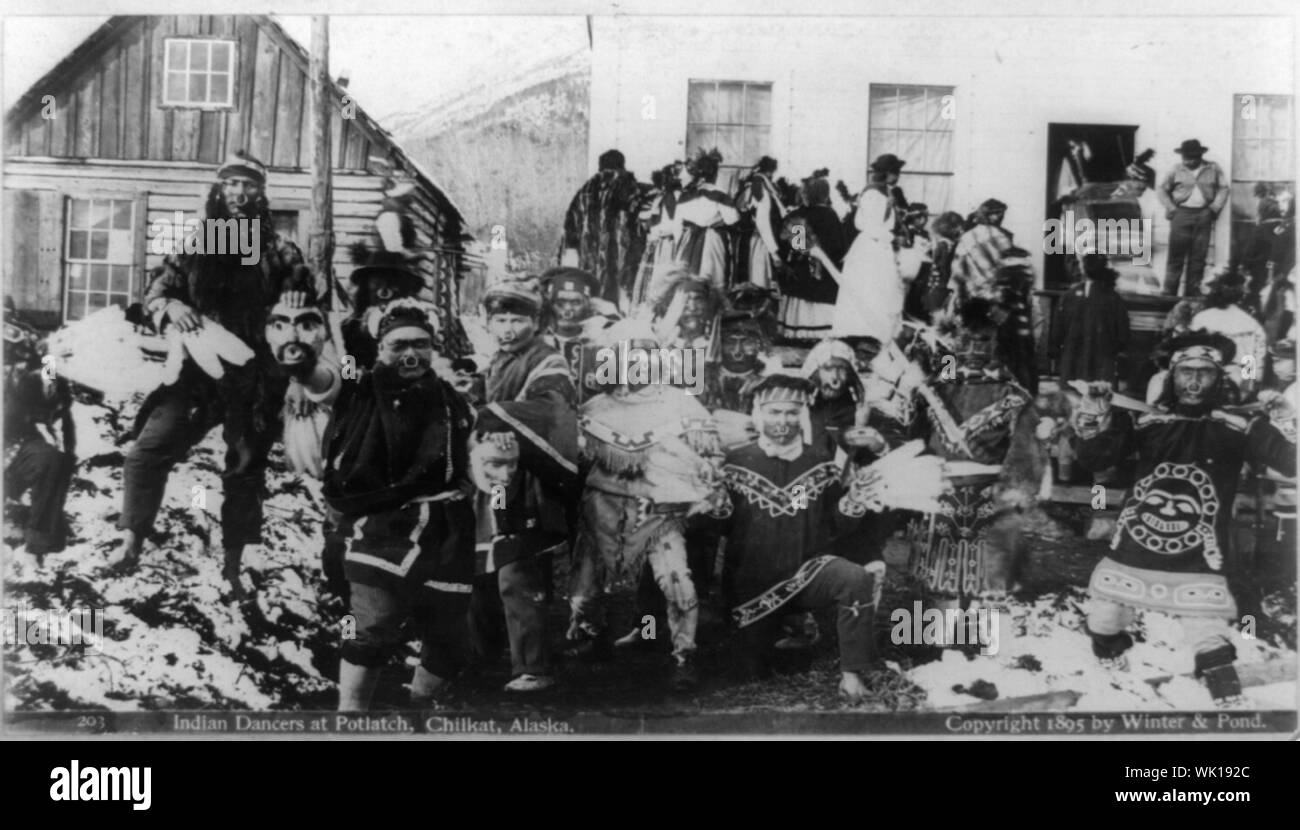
{"points": [[733, 116], [915, 123], [99, 264], [199, 72], [1263, 152]]}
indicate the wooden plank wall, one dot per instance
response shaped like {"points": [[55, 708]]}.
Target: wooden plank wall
{"points": [[110, 107], [357, 199]]}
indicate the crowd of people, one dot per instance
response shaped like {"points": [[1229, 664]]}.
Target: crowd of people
{"points": [[836, 339]]}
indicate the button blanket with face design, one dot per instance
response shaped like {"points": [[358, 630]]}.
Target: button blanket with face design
{"points": [[1172, 512]]}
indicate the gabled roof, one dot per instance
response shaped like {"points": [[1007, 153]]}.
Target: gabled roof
{"points": [[105, 35]]}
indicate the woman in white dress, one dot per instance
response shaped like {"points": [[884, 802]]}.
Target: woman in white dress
{"points": [[870, 301]]}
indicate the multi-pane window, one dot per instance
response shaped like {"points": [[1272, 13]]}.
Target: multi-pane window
{"points": [[199, 73], [99, 266], [1263, 151], [915, 123], [733, 116]]}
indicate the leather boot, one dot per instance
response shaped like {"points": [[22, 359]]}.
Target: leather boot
{"points": [[356, 686], [425, 685]]}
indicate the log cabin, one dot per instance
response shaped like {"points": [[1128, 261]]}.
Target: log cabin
{"points": [[129, 128]]}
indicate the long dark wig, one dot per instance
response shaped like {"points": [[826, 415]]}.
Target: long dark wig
{"points": [[210, 286]]}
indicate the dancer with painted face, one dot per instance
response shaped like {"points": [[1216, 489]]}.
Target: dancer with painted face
{"points": [[296, 333], [687, 315], [654, 454], [972, 549], [1172, 550], [730, 382], [574, 317], [785, 505], [397, 468], [189, 292]]}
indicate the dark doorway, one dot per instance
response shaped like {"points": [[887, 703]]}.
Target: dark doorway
{"points": [[1079, 155]]}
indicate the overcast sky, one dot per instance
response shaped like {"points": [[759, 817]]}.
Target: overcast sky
{"points": [[394, 61]]}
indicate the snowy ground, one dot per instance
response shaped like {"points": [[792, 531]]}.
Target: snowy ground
{"points": [[172, 641]]}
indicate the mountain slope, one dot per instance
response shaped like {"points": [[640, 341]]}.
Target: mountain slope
{"points": [[510, 151]]}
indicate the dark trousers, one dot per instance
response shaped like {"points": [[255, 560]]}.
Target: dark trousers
{"points": [[516, 592], [42, 468], [1189, 243], [175, 425], [336, 531], [842, 585], [380, 614]]}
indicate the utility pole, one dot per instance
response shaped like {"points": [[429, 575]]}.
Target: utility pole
{"points": [[320, 245]]}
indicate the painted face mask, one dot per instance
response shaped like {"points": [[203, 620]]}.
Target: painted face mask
{"points": [[780, 422], [295, 335], [407, 351], [1193, 381], [976, 350], [493, 460], [384, 289], [692, 320], [1172, 512], [571, 307], [240, 195], [739, 351], [833, 379]]}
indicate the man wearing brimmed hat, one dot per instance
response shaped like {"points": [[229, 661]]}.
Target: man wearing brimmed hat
{"points": [[397, 469], [1193, 194], [785, 506], [381, 277], [573, 316], [871, 290], [1173, 549], [186, 291]]}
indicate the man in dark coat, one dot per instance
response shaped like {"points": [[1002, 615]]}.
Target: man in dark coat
{"points": [[520, 457], [397, 469], [40, 438], [187, 291], [1093, 325], [1172, 549], [572, 318], [785, 507], [808, 291], [530, 394], [601, 231]]}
